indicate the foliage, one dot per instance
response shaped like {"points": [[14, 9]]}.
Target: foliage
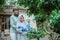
{"points": [[34, 7], [58, 38], [36, 33], [1, 8], [14, 2], [2, 2], [55, 20], [49, 5], [40, 17]]}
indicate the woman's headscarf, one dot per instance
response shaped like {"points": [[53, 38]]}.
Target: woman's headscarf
{"points": [[25, 22], [20, 16]]}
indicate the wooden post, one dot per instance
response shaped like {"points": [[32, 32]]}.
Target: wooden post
{"points": [[7, 21], [0, 23]]}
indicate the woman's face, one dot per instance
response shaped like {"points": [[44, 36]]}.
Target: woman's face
{"points": [[21, 19]]}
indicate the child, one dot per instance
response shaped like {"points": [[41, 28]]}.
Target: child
{"points": [[22, 28]]}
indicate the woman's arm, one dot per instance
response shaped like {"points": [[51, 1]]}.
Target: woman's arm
{"points": [[18, 28], [29, 27]]}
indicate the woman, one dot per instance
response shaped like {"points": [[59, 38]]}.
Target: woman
{"points": [[22, 28]]}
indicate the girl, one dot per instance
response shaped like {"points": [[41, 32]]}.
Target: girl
{"points": [[22, 28]]}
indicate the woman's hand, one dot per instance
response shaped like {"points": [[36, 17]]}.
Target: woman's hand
{"points": [[27, 29], [20, 31]]}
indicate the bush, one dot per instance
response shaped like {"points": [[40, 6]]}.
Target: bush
{"points": [[36, 33], [55, 21]]}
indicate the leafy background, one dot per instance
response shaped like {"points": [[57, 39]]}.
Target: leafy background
{"points": [[44, 10]]}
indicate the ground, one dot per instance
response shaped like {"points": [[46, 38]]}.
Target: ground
{"points": [[7, 37]]}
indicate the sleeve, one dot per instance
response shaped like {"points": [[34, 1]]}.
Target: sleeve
{"points": [[12, 24], [24, 29], [18, 28], [29, 27]]}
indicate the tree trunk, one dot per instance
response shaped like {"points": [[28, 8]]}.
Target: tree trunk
{"points": [[37, 38]]}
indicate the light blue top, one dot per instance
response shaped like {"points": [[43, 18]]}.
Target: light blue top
{"points": [[13, 23], [23, 29]]}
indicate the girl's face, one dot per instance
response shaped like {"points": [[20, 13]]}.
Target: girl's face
{"points": [[21, 19]]}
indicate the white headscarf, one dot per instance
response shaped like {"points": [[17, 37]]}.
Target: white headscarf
{"points": [[24, 23], [23, 16]]}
